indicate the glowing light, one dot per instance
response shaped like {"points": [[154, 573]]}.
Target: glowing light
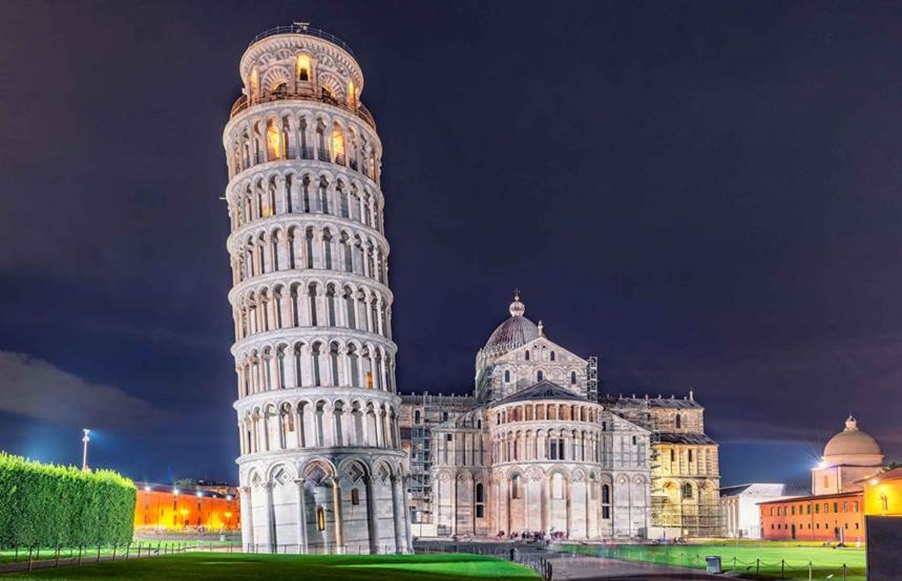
{"points": [[821, 464], [147, 489], [874, 482], [199, 493], [175, 491]]}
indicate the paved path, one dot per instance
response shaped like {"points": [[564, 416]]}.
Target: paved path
{"points": [[592, 568]]}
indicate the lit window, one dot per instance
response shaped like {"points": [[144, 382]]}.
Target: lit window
{"points": [[303, 67], [352, 94], [275, 144], [320, 518]]}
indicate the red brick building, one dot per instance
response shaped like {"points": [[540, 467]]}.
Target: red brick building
{"points": [[827, 517]]}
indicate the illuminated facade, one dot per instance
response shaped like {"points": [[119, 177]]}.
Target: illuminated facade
{"points": [[536, 448], [321, 466], [159, 507], [828, 517], [851, 465], [883, 494]]}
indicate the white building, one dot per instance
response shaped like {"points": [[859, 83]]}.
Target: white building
{"points": [[321, 467], [739, 503]]}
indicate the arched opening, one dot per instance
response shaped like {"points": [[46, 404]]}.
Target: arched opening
{"points": [[255, 84], [275, 144], [320, 518], [479, 494], [304, 70], [605, 501], [338, 145], [572, 378], [507, 376], [539, 375], [679, 421], [515, 486], [352, 94], [686, 490]]}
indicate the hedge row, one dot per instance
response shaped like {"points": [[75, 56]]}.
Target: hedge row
{"points": [[43, 505]]}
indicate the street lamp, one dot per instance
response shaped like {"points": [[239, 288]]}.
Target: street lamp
{"points": [[84, 454]]}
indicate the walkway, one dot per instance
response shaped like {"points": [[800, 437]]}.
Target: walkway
{"points": [[592, 568]]}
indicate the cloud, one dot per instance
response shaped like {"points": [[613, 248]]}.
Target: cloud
{"points": [[36, 389]]}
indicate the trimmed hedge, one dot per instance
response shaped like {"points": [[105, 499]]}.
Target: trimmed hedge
{"points": [[42, 505]]}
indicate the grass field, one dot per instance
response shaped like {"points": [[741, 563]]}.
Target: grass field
{"points": [[47, 553], [239, 567], [768, 560]]}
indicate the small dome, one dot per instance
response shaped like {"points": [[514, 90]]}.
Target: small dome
{"points": [[514, 332], [853, 446]]}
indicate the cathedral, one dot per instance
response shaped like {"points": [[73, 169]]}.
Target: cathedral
{"points": [[538, 450]]}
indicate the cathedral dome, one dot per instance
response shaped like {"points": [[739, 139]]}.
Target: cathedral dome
{"points": [[853, 447], [515, 331]]}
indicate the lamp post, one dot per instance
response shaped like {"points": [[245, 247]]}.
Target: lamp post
{"points": [[84, 454]]}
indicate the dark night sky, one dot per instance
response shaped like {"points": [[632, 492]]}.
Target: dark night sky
{"points": [[703, 194]]}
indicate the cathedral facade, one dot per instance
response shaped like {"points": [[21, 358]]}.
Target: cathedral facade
{"points": [[537, 449]]}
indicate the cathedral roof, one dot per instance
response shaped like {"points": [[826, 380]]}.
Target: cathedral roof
{"points": [[542, 390], [676, 438], [654, 402], [514, 332]]}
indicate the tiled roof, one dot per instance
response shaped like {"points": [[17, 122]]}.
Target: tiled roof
{"points": [[542, 390], [698, 439], [654, 402]]}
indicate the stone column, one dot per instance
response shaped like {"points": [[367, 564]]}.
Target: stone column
{"points": [[397, 500], [269, 539], [247, 519], [372, 522], [336, 505]]}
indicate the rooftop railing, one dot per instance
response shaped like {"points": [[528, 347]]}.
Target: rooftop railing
{"points": [[303, 94], [300, 28]]}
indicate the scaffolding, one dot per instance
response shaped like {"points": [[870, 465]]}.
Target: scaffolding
{"points": [[592, 378], [429, 410], [674, 514]]}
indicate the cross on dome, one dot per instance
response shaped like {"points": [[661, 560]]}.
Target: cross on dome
{"points": [[517, 309], [851, 423]]}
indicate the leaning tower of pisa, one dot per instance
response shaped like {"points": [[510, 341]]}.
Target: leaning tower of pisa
{"points": [[320, 467]]}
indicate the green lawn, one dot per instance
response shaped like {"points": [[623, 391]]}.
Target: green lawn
{"points": [[226, 566], [47, 553], [767, 559]]}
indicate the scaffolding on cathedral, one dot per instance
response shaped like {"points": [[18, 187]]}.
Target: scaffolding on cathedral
{"points": [[425, 412], [672, 513]]}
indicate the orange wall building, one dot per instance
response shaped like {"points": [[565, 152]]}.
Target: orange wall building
{"points": [[166, 507], [883, 494], [827, 517]]}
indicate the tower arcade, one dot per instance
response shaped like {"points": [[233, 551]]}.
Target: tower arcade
{"points": [[320, 467]]}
